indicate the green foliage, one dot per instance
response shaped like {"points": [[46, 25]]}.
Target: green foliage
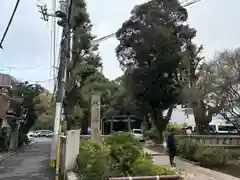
{"points": [[145, 167], [187, 149], [124, 149], [28, 95], [212, 156], [93, 161], [150, 51], [119, 155], [120, 138], [206, 156], [153, 135], [82, 72]]}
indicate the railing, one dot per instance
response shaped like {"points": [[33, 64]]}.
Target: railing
{"points": [[147, 178], [214, 140], [85, 137]]}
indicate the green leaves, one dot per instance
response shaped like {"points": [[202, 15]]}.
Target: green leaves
{"points": [[150, 51]]}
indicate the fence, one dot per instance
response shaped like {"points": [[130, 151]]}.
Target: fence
{"points": [[215, 140]]}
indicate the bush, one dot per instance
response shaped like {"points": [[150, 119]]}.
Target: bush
{"points": [[212, 156], [119, 155], [93, 161], [145, 167], [124, 150], [233, 153], [176, 128], [186, 148], [206, 156], [153, 135]]}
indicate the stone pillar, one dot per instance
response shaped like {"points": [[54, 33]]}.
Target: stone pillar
{"points": [[111, 126], [129, 125], [95, 117]]}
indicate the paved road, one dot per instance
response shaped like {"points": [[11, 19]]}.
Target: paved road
{"points": [[30, 163]]}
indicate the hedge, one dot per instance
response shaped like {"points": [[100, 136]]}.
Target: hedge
{"points": [[119, 155]]}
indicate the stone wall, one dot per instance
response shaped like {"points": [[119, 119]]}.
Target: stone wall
{"points": [[215, 140]]}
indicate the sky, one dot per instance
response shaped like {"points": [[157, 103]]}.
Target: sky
{"points": [[27, 46]]}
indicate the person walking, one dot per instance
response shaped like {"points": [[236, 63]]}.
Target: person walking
{"points": [[171, 146]]}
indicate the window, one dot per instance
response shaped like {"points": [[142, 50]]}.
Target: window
{"points": [[212, 128], [137, 131], [226, 128]]}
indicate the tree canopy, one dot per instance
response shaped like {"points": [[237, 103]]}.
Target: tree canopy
{"points": [[150, 51]]}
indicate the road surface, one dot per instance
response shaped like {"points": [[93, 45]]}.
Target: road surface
{"points": [[30, 163]]}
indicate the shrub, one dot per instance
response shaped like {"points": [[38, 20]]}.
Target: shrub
{"points": [[186, 148], [93, 161], [145, 167], [153, 135], [212, 156], [176, 128], [124, 150], [119, 155], [233, 153]]}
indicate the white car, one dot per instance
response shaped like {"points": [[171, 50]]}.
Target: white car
{"points": [[30, 134], [138, 134]]}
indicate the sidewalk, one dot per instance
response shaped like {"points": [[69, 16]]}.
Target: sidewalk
{"points": [[29, 163], [190, 171]]}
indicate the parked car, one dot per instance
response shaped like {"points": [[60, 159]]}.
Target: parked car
{"points": [[30, 134], [44, 133], [138, 134], [36, 134], [49, 135]]}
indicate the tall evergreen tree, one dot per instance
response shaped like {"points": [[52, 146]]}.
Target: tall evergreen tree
{"points": [[150, 51], [84, 64]]}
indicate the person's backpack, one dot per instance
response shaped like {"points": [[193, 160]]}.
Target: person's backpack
{"points": [[170, 141]]}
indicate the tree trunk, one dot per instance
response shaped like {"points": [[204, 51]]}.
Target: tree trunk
{"points": [[160, 122], [198, 116], [201, 119]]}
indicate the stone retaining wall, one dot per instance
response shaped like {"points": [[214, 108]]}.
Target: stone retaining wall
{"points": [[215, 140]]}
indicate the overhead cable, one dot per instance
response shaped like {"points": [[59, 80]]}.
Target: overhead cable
{"points": [[9, 23]]}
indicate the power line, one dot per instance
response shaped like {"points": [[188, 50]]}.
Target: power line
{"points": [[41, 81], [20, 68], [9, 23], [185, 4]]}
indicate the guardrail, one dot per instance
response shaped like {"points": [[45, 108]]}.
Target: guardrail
{"points": [[147, 178]]}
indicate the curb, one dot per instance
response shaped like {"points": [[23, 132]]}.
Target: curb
{"points": [[71, 176], [188, 161], [158, 154]]}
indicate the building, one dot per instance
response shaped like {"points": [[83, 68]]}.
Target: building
{"points": [[7, 82]]}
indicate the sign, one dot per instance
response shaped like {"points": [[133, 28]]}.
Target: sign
{"points": [[95, 118]]}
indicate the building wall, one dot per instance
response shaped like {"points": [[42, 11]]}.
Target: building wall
{"points": [[4, 105], [185, 116]]}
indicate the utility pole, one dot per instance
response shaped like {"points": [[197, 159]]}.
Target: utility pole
{"points": [[63, 21]]}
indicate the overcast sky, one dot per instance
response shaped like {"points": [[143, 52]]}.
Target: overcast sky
{"points": [[27, 46]]}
